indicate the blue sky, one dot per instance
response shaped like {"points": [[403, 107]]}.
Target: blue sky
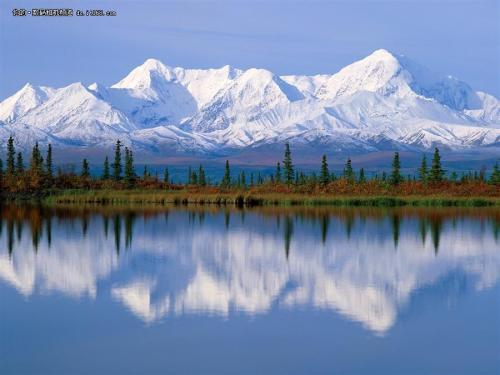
{"points": [[461, 38]]}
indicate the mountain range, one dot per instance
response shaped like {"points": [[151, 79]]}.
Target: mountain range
{"points": [[383, 102]]}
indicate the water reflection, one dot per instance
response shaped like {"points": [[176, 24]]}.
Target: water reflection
{"points": [[366, 264]]}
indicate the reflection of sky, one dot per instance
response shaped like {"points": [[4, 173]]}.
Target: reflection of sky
{"points": [[366, 269]]}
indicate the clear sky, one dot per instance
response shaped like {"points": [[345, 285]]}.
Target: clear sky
{"points": [[461, 38]]}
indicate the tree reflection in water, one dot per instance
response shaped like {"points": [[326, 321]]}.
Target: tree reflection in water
{"points": [[335, 258]]}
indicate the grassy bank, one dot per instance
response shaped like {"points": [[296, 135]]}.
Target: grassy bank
{"points": [[249, 198]]}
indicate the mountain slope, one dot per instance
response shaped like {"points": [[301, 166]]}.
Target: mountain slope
{"points": [[382, 102]]}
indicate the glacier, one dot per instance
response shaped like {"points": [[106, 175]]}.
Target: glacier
{"points": [[383, 102]]}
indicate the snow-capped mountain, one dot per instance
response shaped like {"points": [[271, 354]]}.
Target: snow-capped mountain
{"points": [[382, 102]]}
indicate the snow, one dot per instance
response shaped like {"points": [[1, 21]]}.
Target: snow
{"points": [[382, 98]]}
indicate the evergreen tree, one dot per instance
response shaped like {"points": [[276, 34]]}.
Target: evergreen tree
{"points": [[287, 165], [453, 176], [194, 178], [422, 171], [251, 179], [36, 161], [482, 174], [166, 176], [314, 178], [202, 181], [189, 176], [278, 173], [362, 177], [85, 169], [384, 176], [145, 172], [48, 164], [226, 180], [436, 173], [396, 178], [19, 164], [348, 171], [1, 173], [129, 171], [324, 175], [243, 179], [11, 155], [302, 178], [495, 175], [105, 169], [117, 162]]}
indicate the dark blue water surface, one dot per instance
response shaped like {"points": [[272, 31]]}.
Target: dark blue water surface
{"points": [[258, 291]]}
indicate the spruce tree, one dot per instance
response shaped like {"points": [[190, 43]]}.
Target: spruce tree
{"points": [[85, 169], [36, 161], [495, 175], [422, 171], [226, 180], [287, 165], [166, 176], [482, 174], [202, 181], [19, 164], [436, 173], [11, 155], [453, 176], [324, 175], [194, 178], [277, 176], [243, 179], [105, 169], [189, 175], [302, 178], [396, 178], [48, 164], [117, 162], [129, 171], [348, 171], [145, 173], [362, 177]]}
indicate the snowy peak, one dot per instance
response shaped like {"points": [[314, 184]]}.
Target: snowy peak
{"points": [[151, 73], [379, 72], [249, 96], [23, 101], [204, 84], [257, 86], [74, 114], [388, 74]]}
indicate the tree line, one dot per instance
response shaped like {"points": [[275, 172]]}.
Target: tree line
{"points": [[40, 176]]}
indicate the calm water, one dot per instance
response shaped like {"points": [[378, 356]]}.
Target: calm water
{"points": [[185, 290]]}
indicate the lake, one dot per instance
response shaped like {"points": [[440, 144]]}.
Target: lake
{"points": [[116, 290]]}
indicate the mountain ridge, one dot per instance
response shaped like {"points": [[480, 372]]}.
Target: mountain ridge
{"points": [[384, 101]]}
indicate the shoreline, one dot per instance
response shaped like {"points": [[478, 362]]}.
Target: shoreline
{"points": [[249, 198]]}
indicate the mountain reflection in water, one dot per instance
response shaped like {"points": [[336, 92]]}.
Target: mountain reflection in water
{"points": [[368, 265]]}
